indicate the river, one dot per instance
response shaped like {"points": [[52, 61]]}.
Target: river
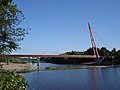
{"points": [[79, 79]]}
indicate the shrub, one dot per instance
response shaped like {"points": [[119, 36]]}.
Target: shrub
{"points": [[12, 81]]}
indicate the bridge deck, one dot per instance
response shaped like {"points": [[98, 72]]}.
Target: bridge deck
{"points": [[50, 56]]}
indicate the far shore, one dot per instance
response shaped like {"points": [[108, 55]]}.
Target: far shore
{"points": [[23, 68]]}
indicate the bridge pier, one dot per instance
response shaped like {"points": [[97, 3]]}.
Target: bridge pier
{"points": [[97, 60], [38, 62]]}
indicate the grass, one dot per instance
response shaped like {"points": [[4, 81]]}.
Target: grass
{"points": [[75, 67]]}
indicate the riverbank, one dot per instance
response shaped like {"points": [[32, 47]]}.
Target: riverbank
{"points": [[17, 67], [24, 68], [78, 67]]}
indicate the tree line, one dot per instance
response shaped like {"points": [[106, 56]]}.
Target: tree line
{"points": [[112, 56], [102, 52]]}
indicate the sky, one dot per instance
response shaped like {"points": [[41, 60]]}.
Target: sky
{"points": [[58, 26]]}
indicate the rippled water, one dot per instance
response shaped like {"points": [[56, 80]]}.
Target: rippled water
{"points": [[80, 79]]}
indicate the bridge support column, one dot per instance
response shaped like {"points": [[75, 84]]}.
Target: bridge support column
{"points": [[38, 63], [100, 59], [97, 60]]}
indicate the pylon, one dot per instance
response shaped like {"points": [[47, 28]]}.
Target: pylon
{"points": [[95, 50]]}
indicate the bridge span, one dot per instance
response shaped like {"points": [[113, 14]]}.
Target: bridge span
{"points": [[49, 56]]}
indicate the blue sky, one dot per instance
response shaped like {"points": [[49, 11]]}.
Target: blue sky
{"points": [[58, 26]]}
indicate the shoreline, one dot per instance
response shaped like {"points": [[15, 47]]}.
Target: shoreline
{"points": [[17, 67], [25, 68]]}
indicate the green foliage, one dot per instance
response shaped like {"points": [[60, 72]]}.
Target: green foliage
{"points": [[12, 81], [22, 60], [15, 60], [89, 51], [102, 52], [10, 33], [113, 52], [111, 57], [74, 53], [4, 59], [5, 2], [116, 61], [69, 68]]}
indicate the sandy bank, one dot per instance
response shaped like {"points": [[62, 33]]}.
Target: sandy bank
{"points": [[15, 66]]}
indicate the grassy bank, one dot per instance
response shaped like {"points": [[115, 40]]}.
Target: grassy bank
{"points": [[77, 67]]}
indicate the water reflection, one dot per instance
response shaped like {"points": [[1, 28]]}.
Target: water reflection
{"points": [[80, 79]]}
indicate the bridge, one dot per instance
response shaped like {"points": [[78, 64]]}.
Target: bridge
{"points": [[49, 56], [95, 51]]}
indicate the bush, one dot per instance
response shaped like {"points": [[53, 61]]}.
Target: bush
{"points": [[12, 81]]}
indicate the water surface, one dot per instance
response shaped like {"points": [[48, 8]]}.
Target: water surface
{"points": [[80, 79]]}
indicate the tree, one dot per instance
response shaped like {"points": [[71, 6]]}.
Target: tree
{"points": [[113, 52], [5, 2], [89, 51], [104, 51], [118, 53], [10, 32], [74, 53]]}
